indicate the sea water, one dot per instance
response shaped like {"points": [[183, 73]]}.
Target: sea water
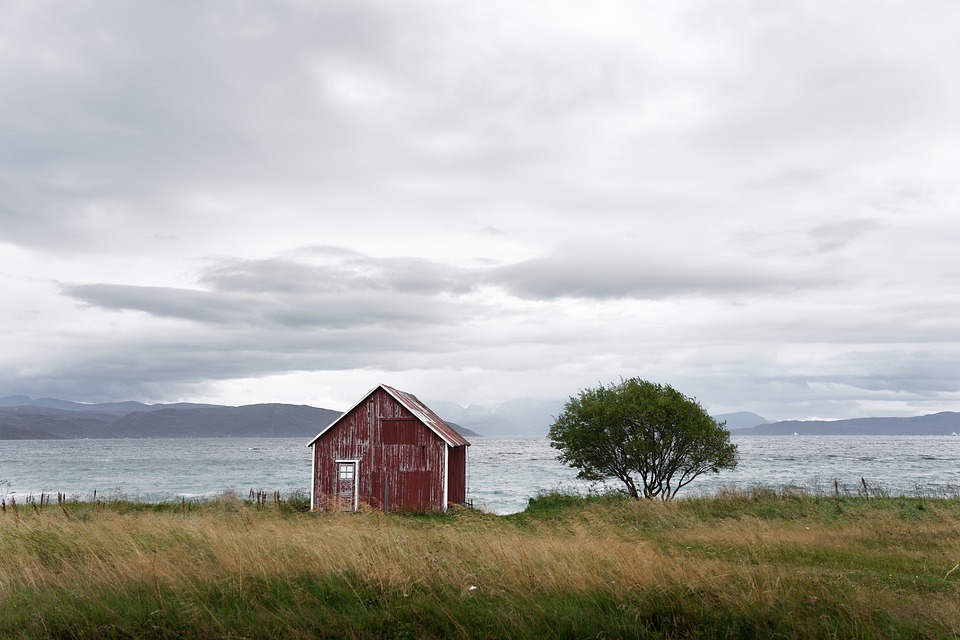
{"points": [[503, 473]]}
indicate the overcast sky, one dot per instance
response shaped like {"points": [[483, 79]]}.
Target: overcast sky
{"points": [[293, 201]]}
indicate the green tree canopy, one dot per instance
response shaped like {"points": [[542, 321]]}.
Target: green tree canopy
{"points": [[649, 436]]}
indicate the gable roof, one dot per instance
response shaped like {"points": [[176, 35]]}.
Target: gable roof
{"points": [[413, 404]]}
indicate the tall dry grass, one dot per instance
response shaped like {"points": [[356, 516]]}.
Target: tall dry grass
{"points": [[396, 553], [738, 565]]}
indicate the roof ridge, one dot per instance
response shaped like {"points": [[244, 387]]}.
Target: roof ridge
{"points": [[414, 405]]}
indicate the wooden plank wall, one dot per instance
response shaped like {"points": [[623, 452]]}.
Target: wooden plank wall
{"points": [[457, 491]]}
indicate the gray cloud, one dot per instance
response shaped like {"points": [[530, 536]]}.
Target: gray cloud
{"points": [[166, 302], [356, 273], [835, 235], [610, 273], [352, 289], [269, 311]]}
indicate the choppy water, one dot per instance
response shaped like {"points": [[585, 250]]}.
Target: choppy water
{"points": [[503, 472]]}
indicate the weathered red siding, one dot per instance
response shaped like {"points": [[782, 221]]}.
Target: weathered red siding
{"points": [[401, 460], [457, 493]]}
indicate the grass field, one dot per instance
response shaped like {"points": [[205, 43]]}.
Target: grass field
{"points": [[756, 564]]}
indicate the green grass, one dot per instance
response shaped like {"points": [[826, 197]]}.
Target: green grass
{"points": [[748, 564]]}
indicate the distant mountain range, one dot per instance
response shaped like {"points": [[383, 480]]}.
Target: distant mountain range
{"points": [[24, 418], [935, 424]]}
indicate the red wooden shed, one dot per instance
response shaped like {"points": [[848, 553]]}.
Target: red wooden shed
{"points": [[390, 452]]}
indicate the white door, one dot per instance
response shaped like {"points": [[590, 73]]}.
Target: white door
{"points": [[347, 485]]}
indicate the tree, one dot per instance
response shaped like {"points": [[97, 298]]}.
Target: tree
{"points": [[649, 436]]}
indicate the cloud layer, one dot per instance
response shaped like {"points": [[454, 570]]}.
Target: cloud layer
{"points": [[293, 201]]}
